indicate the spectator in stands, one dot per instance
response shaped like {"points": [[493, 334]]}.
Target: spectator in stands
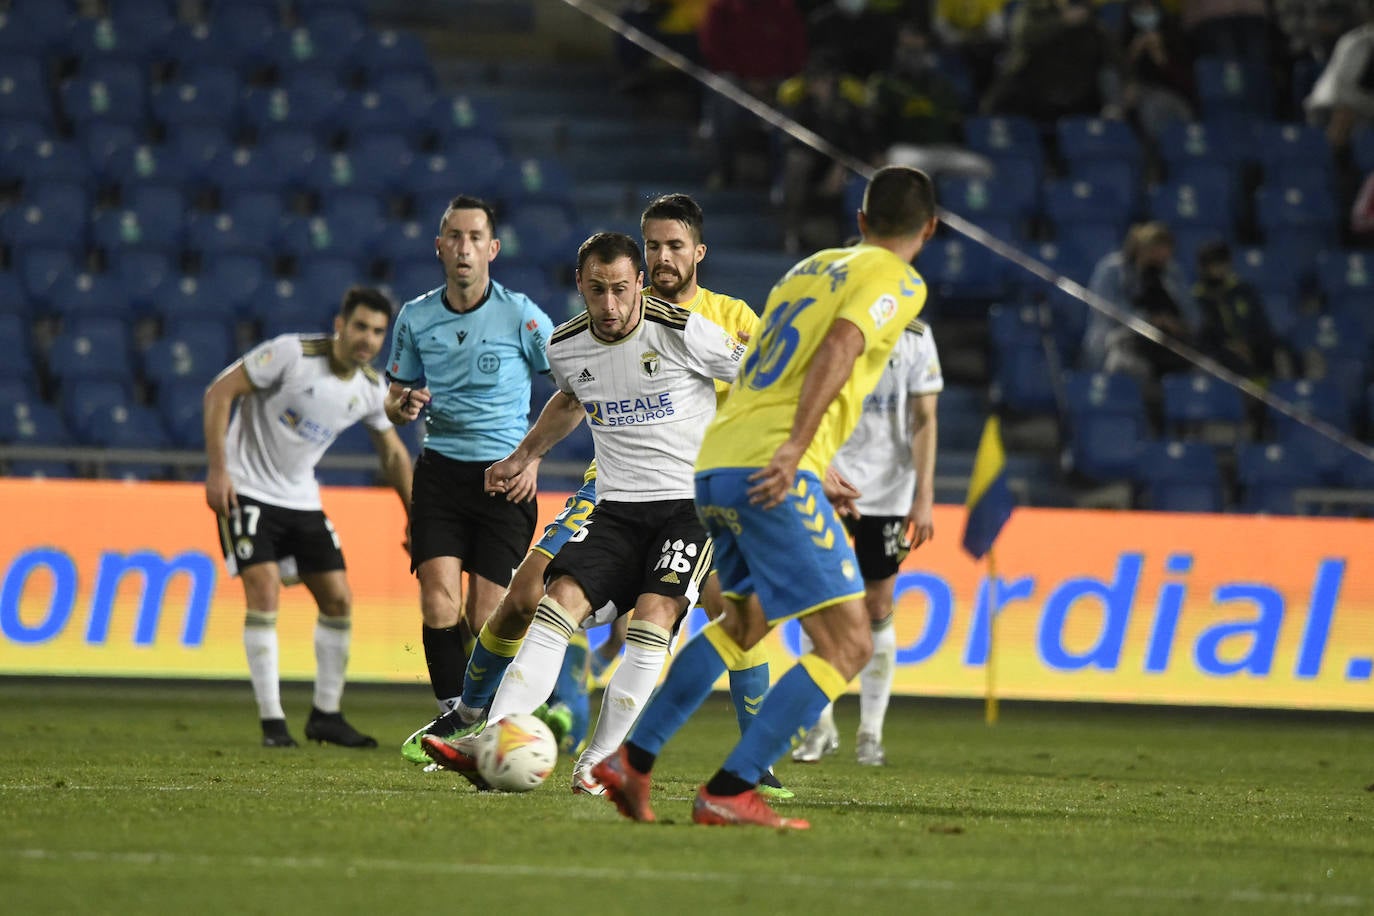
{"points": [[977, 29], [1343, 97], [830, 103], [1234, 327], [1144, 279], [1060, 62], [1156, 66], [913, 111], [756, 44], [1311, 29]]}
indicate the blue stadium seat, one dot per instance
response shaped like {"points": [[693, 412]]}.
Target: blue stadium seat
{"points": [[325, 278], [384, 53], [205, 93], [1226, 86], [181, 407], [82, 399], [1187, 144], [18, 137], [1069, 202], [92, 40], [1282, 148], [1105, 444], [960, 411], [1022, 381], [130, 426], [32, 423], [295, 150], [1267, 474], [1293, 208], [404, 240], [458, 115], [244, 30], [256, 215], [354, 214], [143, 14], [130, 228], [101, 141], [1086, 138], [1268, 269], [147, 163], [19, 35], [1346, 276], [191, 44], [339, 171], [1362, 148], [576, 447], [413, 91], [531, 178], [1001, 137], [1331, 336], [1179, 476], [211, 233], [16, 388], [327, 38], [416, 276], [108, 98], [236, 277], [387, 155], [310, 236], [372, 111], [141, 273], [185, 296], [998, 197], [40, 266], [189, 353], [196, 146], [287, 302], [14, 299], [1113, 392], [1206, 206], [961, 272], [1199, 406], [1116, 177], [1356, 472], [52, 160], [83, 295], [1320, 398], [24, 90], [304, 104], [31, 224], [532, 279], [14, 330], [244, 168], [545, 232]]}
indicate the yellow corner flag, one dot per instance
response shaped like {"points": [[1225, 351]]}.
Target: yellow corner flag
{"points": [[989, 498], [989, 506]]}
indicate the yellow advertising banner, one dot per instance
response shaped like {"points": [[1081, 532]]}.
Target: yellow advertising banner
{"points": [[106, 578]]}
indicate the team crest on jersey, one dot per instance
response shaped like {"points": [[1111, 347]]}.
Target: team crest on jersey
{"points": [[488, 363], [883, 311], [648, 361], [264, 357], [290, 418]]}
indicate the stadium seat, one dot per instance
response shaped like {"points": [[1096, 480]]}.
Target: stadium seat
{"points": [[311, 236], [1196, 405], [183, 296], [14, 299], [404, 240], [1071, 203], [339, 171], [146, 163], [195, 147], [385, 54], [530, 178], [211, 233], [1104, 444], [1208, 207], [108, 98], [83, 295], [127, 228], [1346, 276], [1086, 138], [1116, 177], [295, 150], [1226, 86], [305, 104], [257, 216], [1283, 148], [243, 168], [1001, 137], [30, 224], [327, 38], [40, 266], [1179, 476], [181, 407], [1322, 338], [354, 213], [244, 30], [1267, 474], [963, 273], [127, 426], [416, 276], [458, 115], [191, 352], [1320, 398], [206, 93], [141, 273], [960, 411], [372, 111], [1022, 381], [353, 441], [999, 197], [532, 279], [236, 278], [1115, 392], [143, 14], [52, 160], [96, 40], [32, 423], [545, 232], [100, 141], [386, 155], [1287, 207], [326, 278], [24, 90], [83, 398]]}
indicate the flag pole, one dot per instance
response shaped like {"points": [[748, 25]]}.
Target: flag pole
{"points": [[990, 667]]}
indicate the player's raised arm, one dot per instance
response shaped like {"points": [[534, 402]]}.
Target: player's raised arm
{"points": [[230, 385], [827, 374]]}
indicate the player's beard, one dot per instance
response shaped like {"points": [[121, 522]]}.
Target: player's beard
{"points": [[675, 283]]}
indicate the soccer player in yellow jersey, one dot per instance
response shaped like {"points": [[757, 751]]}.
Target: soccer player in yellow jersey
{"points": [[780, 550]]}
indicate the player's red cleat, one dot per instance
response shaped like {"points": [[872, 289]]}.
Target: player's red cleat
{"points": [[625, 786], [457, 756], [745, 808]]}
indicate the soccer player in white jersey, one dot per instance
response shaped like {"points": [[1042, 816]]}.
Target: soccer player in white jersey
{"points": [[890, 457], [296, 394], [642, 372]]}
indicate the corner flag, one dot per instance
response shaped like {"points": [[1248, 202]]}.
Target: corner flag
{"points": [[989, 499]]}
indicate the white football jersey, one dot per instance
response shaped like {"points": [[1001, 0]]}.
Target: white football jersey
{"points": [[298, 409], [648, 396], [877, 457]]}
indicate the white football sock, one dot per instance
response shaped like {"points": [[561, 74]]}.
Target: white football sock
{"points": [[646, 650], [533, 672], [332, 638], [260, 645], [875, 681]]}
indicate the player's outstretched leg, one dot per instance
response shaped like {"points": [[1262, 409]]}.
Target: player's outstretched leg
{"points": [[460, 756], [875, 693]]}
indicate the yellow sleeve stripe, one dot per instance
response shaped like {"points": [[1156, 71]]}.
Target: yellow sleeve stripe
{"points": [[315, 346], [571, 328]]}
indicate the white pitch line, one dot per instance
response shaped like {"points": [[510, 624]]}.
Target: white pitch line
{"points": [[749, 876]]}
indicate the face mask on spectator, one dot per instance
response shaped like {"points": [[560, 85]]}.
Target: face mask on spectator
{"points": [[1146, 20]]}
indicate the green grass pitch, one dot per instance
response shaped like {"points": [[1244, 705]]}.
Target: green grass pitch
{"points": [[142, 797]]}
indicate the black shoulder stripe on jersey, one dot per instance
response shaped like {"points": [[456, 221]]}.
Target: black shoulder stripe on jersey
{"points": [[315, 346], [372, 375], [917, 327], [571, 328], [660, 312]]}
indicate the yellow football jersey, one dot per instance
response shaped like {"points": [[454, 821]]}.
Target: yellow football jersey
{"points": [[869, 286]]}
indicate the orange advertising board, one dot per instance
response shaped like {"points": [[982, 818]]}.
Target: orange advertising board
{"points": [[105, 578]]}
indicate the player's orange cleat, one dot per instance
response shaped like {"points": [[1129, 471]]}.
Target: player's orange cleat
{"points": [[745, 808], [458, 756], [625, 786]]}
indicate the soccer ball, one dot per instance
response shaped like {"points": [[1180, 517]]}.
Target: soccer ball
{"points": [[516, 753]]}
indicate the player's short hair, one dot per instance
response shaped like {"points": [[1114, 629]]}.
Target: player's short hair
{"points": [[365, 297], [469, 202], [899, 200], [609, 247], [678, 207]]}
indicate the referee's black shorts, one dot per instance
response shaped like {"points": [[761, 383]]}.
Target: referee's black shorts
{"points": [[451, 515]]}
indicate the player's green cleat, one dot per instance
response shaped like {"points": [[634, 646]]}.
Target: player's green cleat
{"points": [[770, 787], [449, 726]]}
